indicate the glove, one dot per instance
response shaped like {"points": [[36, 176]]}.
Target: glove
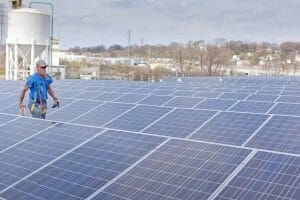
{"points": [[56, 103]]}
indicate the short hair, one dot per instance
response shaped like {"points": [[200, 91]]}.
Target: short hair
{"points": [[40, 63]]}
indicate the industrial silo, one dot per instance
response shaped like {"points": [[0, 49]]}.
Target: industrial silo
{"points": [[28, 39]]}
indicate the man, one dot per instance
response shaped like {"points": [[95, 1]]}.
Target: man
{"points": [[39, 84]]}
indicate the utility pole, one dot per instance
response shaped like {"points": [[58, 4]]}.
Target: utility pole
{"points": [[129, 46], [3, 17]]}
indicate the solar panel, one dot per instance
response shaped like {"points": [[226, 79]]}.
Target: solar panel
{"points": [[103, 114], [186, 93], [208, 94], [18, 130], [289, 99], [216, 104], [177, 170], [184, 102], [262, 97], [130, 98], [155, 100], [265, 176], [34, 152], [73, 110], [252, 107], [5, 118], [180, 122], [220, 138], [229, 128], [286, 109], [107, 96], [138, 118], [234, 96], [280, 133], [70, 177]]}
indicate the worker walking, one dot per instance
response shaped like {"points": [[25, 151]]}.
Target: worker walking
{"points": [[39, 84]]}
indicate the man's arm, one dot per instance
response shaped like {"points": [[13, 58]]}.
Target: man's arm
{"points": [[22, 95], [52, 94]]}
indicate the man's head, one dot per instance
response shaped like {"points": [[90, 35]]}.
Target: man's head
{"points": [[41, 67]]}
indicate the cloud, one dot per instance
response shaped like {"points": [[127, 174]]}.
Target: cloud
{"points": [[162, 21]]}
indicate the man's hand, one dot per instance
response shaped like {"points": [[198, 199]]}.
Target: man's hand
{"points": [[56, 102], [21, 106]]}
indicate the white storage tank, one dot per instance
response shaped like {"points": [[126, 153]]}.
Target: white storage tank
{"points": [[28, 39]]}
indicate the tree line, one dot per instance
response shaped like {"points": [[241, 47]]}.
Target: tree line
{"points": [[203, 58]]}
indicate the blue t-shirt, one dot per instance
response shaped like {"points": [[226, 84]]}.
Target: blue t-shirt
{"points": [[38, 86]]}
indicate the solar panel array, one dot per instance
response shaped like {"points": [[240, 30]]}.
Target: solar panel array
{"points": [[200, 138]]}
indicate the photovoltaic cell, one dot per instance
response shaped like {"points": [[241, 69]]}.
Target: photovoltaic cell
{"points": [[266, 176], [73, 110], [286, 109], [289, 99], [280, 133], [68, 93], [269, 92], [262, 97], [138, 118], [20, 129], [162, 92], [103, 114], [184, 102], [5, 118], [155, 100], [208, 94], [87, 95], [9, 101], [216, 104], [86, 169], [177, 170], [252, 106], [107, 96], [180, 122], [30, 155], [130, 98], [234, 96], [186, 93], [229, 128]]}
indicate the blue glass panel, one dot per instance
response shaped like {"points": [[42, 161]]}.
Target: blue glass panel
{"points": [[28, 156], [73, 110], [103, 114], [234, 96], [178, 170], [252, 107], [107, 96], [184, 102], [155, 100], [286, 109], [266, 176], [262, 97], [280, 133], [216, 104], [81, 172], [180, 122], [138, 118], [230, 128], [130, 98]]}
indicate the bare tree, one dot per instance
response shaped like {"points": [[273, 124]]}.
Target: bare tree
{"points": [[177, 52]]}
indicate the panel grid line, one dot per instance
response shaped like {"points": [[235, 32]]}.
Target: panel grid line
{"points": [[232, 175], [257, 130], [49, 163], [207, 121], [125, 171]]}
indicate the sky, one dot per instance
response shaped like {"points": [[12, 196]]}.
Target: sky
{"points": [[88, 23]]}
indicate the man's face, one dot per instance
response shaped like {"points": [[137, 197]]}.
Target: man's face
{"points": [[41, 70]]}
